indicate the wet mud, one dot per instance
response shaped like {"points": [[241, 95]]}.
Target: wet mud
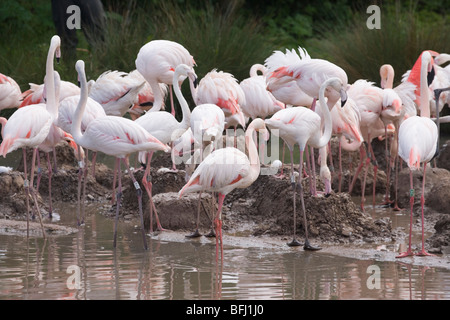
{"points": [[265, 209]]}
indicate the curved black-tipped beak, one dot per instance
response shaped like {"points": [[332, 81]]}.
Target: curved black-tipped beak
{"points": [[430, 76], [195, 82], [57, 60], [343, 97]]}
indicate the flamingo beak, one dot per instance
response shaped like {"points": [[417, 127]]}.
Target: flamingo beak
{"points": [[343, 97]]}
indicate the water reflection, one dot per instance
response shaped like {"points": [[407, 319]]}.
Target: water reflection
{"points": [[38, 269]]}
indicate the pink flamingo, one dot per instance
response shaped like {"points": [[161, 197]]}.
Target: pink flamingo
{"points": [[207, 125], [35, 94], [302, 126], [115, 136], [309, 74], [156, 62], [224, 170], [222, 89], [116, 91], [146, 96], [418, 137], [259, 103], [10, 93], [164, 127]]}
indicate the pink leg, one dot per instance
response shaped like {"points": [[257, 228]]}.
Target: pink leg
{"points": [[411, 202], [34, 193], [113, 198], [80, 176], [94, 160], [313, 170], [218, 224], [362, 155], [295, 242], [49, 165], [363, 188], [340, 167], [422, 202]]}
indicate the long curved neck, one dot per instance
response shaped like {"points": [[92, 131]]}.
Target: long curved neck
{"points": [[257, 67], [326, 118], [185, 122], [76, 123], [158, 96], [52, 106], [388, 81], [253, 156], [424, 94]]}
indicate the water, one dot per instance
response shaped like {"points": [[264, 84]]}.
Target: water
{"points": [[187, 269]]}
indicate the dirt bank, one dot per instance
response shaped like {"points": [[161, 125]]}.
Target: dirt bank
{"points": [[265, 209]]}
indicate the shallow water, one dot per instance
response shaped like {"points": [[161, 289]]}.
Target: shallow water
{"points": [[187, 269]]}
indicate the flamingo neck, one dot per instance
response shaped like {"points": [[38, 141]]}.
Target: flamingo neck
{"points": [[387, 81], [76, 123], [49, 81], [325, 116], [157, 94], [257, 67], [424, 103], [250, 144], [185, 122]]}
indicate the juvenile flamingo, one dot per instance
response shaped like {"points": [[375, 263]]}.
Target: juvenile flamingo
{"points": [[115, 136]]}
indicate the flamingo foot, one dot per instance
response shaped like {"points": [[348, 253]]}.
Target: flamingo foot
{"points": [[211, 234], [294, 243], [423, 253], [279, 176], [309, 247], [397, 208], [408, 253], [194, 234]]}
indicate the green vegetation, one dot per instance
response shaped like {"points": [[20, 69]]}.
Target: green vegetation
{"points": [[230, 35]]}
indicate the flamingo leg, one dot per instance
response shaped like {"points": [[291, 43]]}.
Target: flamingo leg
{"points": [[386, 200], [411, 202], [362, 157], [113, 198], [396, 207], [49, 165], [83, 195], [375, 170], [307, 245], [218, 226], [26, 187], [313, 170], [340, 167], [139, 196], [422, 202], [363, 188], [196, 233], [119, 200], [93, 161], [294, 242], [80, 175], [34, 193], [171, 100]]}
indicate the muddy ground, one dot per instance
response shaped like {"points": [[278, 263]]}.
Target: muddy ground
{"points": [[265, 209]]}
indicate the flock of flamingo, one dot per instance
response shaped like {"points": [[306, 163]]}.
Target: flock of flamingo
{"points": [[302, 100]]}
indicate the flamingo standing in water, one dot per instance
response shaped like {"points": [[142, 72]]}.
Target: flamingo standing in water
{"points": [[164, 127], [302, 126], [156, 62], [207, 125], [10, 93], [418, 137], [115, 136], [224, 170]]}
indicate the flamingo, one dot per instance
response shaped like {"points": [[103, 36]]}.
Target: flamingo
{"points": [[418, 137], [398, 104], [35, 94], [222, 89], [288, 92], [302, 126], [116, 91], [165, 127], [115, 136], [207, 125], [224, 170], [145, 96], [10, 93], [156, 62], [309, 74], [259, 103]]}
